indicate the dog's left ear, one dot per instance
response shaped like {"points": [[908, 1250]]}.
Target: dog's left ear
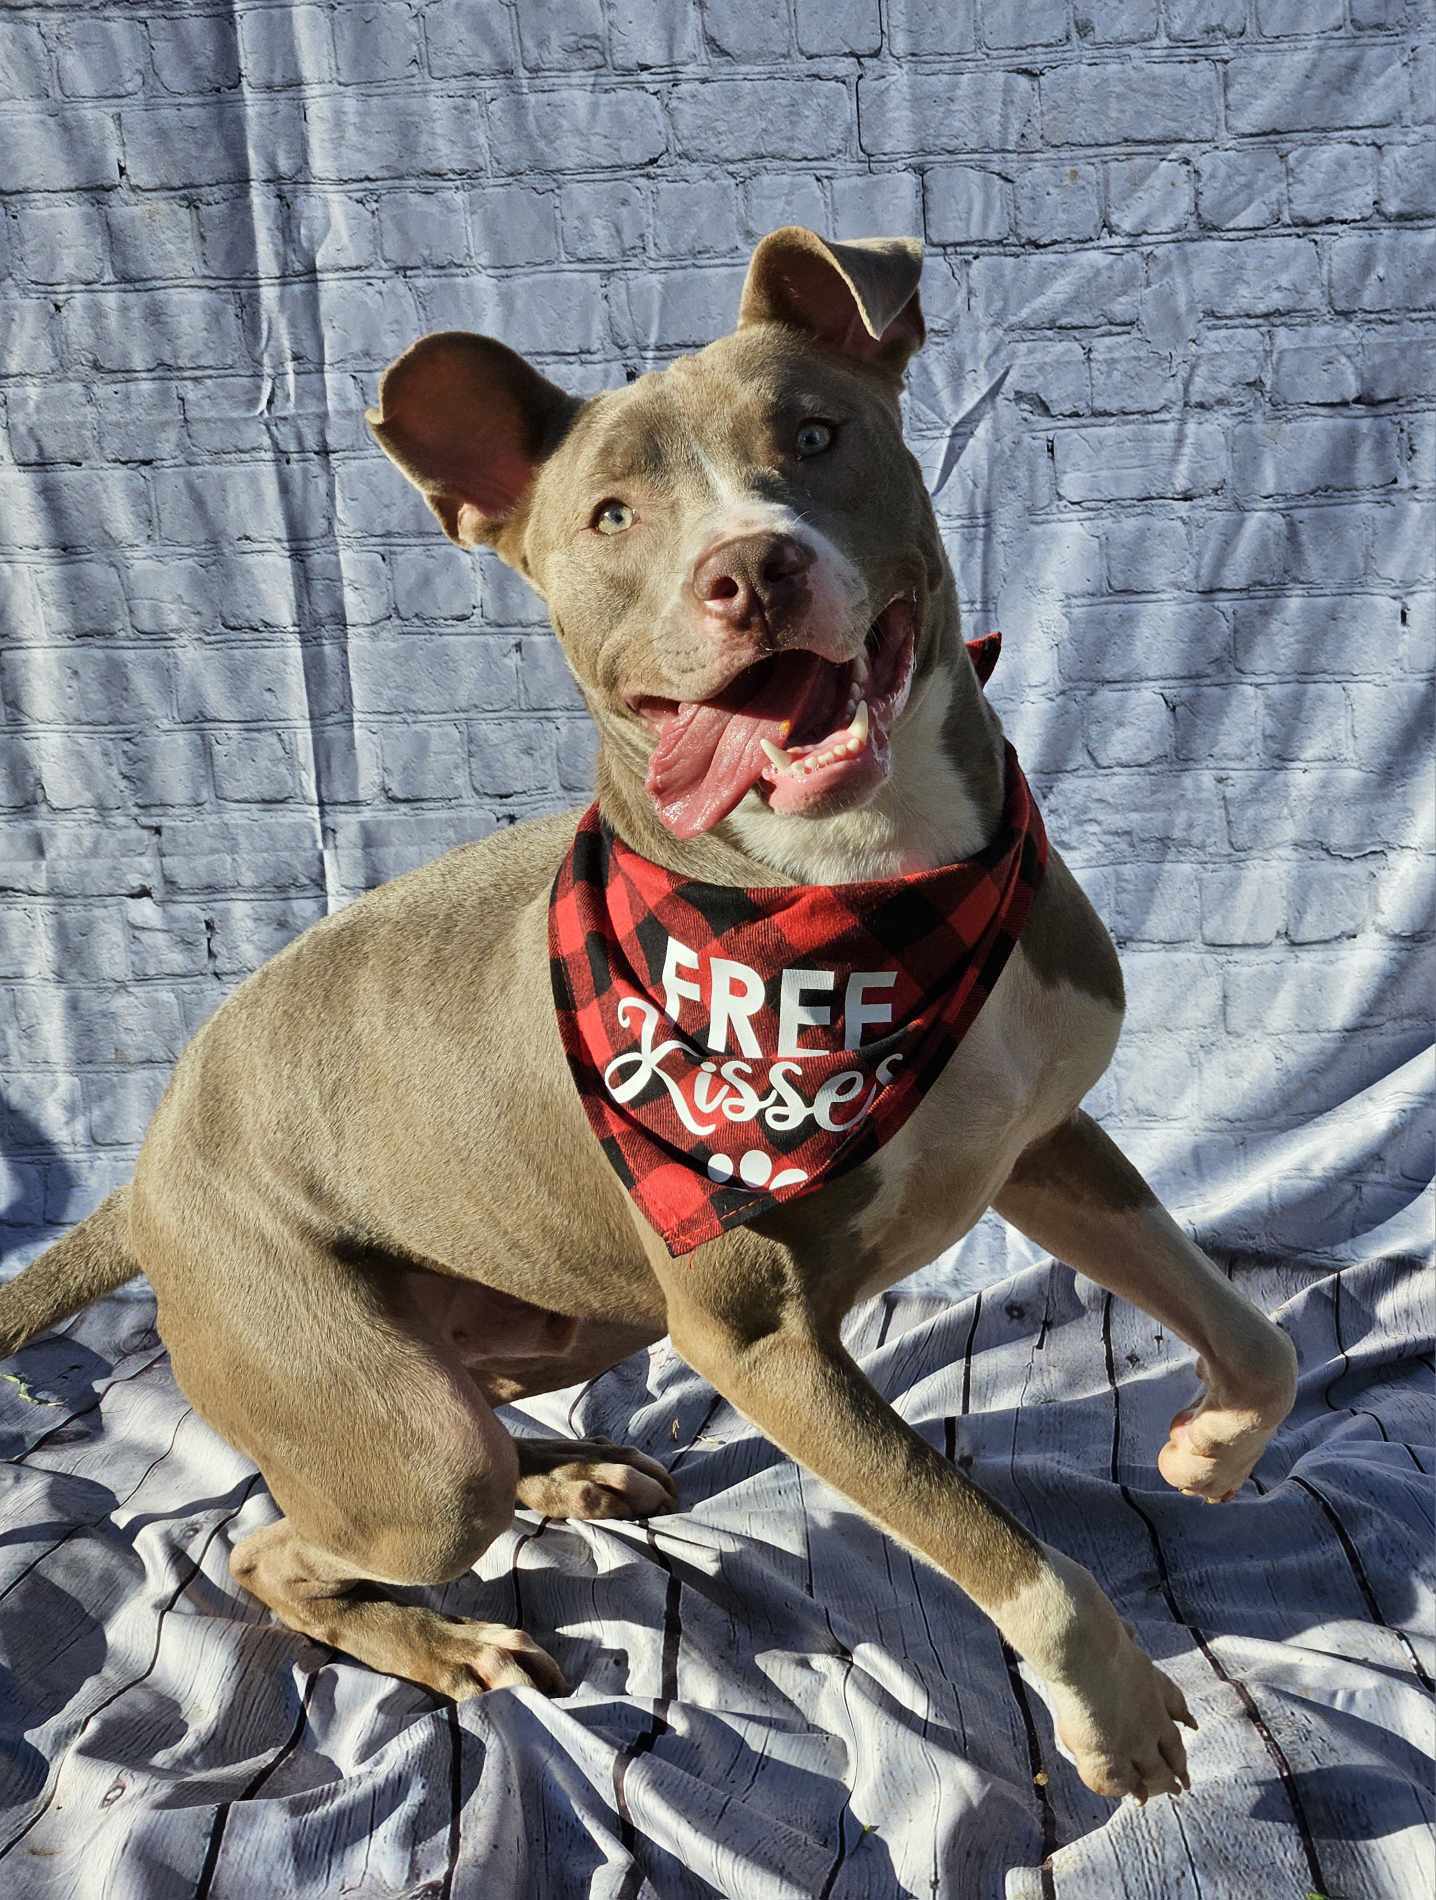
{"points": [[858, 297]]}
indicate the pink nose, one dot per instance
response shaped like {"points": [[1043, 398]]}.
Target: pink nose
{"points": [[752, 577]]}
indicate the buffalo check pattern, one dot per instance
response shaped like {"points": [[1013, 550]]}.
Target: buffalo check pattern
{"points": [[944, 935]]}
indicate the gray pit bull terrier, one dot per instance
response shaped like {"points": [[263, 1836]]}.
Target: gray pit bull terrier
{"points": [[370, 1204]]}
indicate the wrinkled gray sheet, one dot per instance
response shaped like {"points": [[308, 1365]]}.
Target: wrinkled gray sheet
{"points": [[772, 1698]]}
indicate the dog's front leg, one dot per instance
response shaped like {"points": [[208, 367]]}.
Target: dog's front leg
{"points": [[1076, 1194], [749, 1328]]}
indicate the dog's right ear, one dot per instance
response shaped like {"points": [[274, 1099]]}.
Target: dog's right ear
{"points": [[468, 421]]}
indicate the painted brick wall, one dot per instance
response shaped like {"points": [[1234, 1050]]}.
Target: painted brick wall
{"points": [[1178, 405]]}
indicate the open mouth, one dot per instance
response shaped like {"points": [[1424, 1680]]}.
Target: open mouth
{"points": [[810, 734]]}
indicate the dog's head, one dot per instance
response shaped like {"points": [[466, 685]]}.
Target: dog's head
{"points": [[737, 552]]}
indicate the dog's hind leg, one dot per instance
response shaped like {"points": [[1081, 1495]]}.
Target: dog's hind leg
{"points": [[1076, 1194], [388, 1463]]}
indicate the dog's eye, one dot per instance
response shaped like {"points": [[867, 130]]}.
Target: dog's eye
{"points": [[612, 517], [814, 436]]}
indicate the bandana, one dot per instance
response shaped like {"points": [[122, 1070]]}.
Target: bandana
{"points": [[735, 1049]]}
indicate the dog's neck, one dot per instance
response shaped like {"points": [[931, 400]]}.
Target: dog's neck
{"points": [[941, 803]]}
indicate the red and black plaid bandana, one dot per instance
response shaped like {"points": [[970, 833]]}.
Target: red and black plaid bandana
{"points": [[735, 1049]]}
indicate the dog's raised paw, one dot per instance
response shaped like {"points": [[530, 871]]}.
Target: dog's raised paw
{"points": [[591, 1478]]}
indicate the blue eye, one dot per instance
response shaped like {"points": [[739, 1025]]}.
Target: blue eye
{"points": [[814, 436], [612, 517]]}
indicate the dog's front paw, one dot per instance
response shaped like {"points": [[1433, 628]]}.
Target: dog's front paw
{"points": [[1117, 1717], [591, 1478]]}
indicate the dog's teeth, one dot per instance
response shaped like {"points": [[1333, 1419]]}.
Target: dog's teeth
{"points": [[858, 729], [860, 669], [776, 756]]}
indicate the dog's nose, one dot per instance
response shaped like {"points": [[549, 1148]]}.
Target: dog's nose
{"points": [[751, 577]]}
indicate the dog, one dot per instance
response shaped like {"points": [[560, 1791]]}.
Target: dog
{"points": [[373, 1203]]}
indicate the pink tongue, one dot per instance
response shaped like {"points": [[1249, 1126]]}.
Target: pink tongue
{"points": [[710, 753]]}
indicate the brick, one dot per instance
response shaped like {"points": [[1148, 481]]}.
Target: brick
{"points": [[19, 774], [1057, 202], [1408, 181], [870, 203], [86, 944], [1042, 23], [1147, 554], [1326, 902], [286, 46], [1403, 548], [247, 934], [1305, 722], [1301, 995], [1137, 462], [1128, 378], [1215, 725], [1241, 907], [213, 505], [1246, 277], [423, 227], [58, 426], [1116, 22], [1240, 190], [1081, 105], [157, 329], [62, 508], [379, 41], [1168, 991], [1115, 641], [643, 37], [1343, 634], [152, 240], [1316, 371], [100, 59], [70, 150], [463, 40], [266, 684], [548, 312], [1388, 270], [547, 682], [122, 1105], [1127, 728], [195, 53], [253, 767], [61, 244], [511, 755], [1287, 19], [1331, 183], [21, 941], [577, 743], [1073, 289], [434, 673], [963, 205], [1403, 896], [1306, 454], [422, 761], [838, 26], [696, 219], [747, 30], [1314, 89], [24, 62], [1206, 19], [434, 584], [921, 28], [86, 686], [1148, 195], [513, 224], [579, 130], [1391, 721], [602, 221], [931, 113], [31, 336], [187, 147], [22, 1194], [724, 121], [167, 769], [329, 232], [673, 307], [80, 773]]}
